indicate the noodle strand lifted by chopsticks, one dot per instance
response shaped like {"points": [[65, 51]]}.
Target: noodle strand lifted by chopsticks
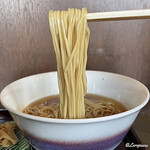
{"points": [[70, 34]]}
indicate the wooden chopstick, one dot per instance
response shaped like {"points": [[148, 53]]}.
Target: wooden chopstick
{"points": [[119, 15]]}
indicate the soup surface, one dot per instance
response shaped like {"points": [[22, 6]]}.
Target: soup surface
{"points": [[95, 106]]}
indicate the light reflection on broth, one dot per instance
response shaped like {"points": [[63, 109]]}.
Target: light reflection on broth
{"points": [[95, 106]]}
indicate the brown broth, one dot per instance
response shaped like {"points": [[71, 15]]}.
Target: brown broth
{"points": [[55, 99]]}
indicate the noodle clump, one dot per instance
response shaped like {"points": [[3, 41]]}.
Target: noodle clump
{"points": [[70, 35]]}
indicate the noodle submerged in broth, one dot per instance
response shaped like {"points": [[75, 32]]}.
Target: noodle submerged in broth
{"points": [[95, 106]]}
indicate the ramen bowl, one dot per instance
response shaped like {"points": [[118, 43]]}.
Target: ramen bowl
{"points": [[75, 134]]}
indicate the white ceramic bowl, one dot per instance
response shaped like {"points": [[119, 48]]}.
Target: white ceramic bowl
{"points": [[79, 134]]}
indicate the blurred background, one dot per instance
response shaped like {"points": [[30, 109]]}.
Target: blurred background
{"points": [[115, 46]]}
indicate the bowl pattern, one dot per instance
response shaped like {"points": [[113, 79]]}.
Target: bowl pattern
{"points": [[103, 144]]}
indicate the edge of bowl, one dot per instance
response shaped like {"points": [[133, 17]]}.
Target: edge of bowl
{"points": [[87, 120]]}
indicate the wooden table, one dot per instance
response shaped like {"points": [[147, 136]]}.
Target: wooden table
{"points": [[142, 125]]}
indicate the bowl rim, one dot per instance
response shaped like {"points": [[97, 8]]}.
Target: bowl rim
{"points": [[76, 121]]}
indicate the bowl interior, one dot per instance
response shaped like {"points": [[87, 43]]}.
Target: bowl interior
{"points": [[21, 93]]}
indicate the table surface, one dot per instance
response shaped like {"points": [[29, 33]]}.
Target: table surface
{"points": [[142, 125]]}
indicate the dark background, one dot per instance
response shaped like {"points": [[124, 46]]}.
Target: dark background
{"points": [[116, 46]]}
